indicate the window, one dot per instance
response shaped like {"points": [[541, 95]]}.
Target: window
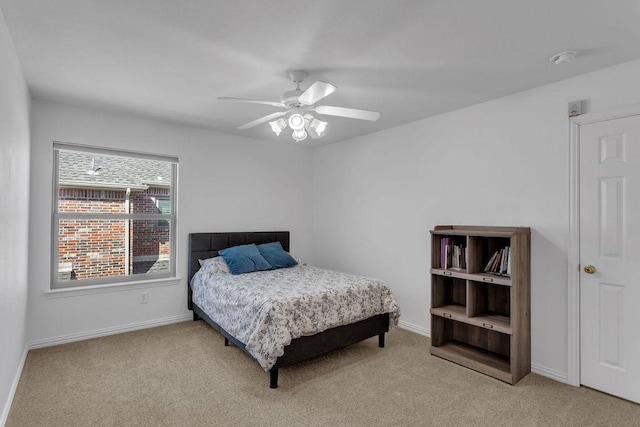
{"points": [[114, 216], [163, 204]]}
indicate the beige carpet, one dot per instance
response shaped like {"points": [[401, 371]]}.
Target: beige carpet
{"points": [[182, 375]]}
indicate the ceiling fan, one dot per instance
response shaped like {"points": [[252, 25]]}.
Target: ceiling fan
{"points": [[299, 104]]}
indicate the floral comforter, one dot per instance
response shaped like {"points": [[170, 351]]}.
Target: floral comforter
{"points": [[265, 310]]}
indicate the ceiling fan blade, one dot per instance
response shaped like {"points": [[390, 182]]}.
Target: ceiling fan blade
{"points": [[316, 92], [347, 112], [263, 120], [253, 101]]}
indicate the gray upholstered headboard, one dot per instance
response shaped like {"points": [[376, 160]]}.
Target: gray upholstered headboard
{"points": [[207, 245]]}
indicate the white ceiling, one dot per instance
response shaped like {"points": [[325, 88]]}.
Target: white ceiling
{"points": [[407, 59]]}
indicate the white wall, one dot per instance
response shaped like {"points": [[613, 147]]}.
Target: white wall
{"points": [[14, 208], [504, 162], [225, 183]]}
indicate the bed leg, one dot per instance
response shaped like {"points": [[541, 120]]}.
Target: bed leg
{"points": [[195, 317], [226, 342], [381, 340], [273, 378]]}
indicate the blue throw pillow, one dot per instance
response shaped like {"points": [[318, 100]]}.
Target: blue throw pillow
{"points": [[276, 256], [244, 259]]}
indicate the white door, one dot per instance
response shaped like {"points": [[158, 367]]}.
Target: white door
{"points": [[610, 242]]}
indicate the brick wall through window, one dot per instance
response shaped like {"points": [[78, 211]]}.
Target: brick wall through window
{"points": [[99, 248]]}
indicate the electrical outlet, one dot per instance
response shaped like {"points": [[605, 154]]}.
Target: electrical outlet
{"points": [[144, 297]]}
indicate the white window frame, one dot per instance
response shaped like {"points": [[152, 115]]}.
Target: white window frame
{"points": [[57, 216]]}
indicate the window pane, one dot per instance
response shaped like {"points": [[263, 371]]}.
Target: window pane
{"points": [[86, 200], [150, 247], [164, 205], [91, 249], [98, 183], [94, 249]]}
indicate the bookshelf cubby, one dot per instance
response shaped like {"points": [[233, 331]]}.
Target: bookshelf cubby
{"points": [[481, 319]]}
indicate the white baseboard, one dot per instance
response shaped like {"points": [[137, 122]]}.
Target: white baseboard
{"points": [[14, 387], [414, 328], [65, 339], [550, 373]]}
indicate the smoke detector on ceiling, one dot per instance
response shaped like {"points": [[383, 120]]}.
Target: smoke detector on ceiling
{"points": [[563, 57]]}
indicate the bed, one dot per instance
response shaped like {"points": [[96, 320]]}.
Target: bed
{"points": [[206, 246]]}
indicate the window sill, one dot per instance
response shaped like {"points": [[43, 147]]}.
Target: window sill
{"points": [[115, 287]]}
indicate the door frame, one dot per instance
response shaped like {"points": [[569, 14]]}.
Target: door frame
{"points": [[573, 253]]}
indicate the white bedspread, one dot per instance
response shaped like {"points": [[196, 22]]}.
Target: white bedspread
{"points": [[265, 310]]}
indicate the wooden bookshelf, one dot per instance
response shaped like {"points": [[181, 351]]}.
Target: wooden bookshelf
{"points": [[481, 319]]}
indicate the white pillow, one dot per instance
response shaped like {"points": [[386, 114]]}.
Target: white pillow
{"points": [[214, 265]]}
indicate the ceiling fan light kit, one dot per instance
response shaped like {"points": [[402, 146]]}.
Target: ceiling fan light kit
{"points": [[318, 125], [278, 126], [302, 126], [297, 102], [296, 121], [299, 135]]}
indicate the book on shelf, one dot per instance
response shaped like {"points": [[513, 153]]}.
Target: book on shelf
{"points": [[490, 263], [499, 263], [444, 245], [503, 261], [496, 264], [453, 256]]}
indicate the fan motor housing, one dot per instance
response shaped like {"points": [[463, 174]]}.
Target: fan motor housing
{"points": [[290, 98]]}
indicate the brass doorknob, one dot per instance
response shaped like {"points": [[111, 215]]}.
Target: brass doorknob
{"points": [[590, 269]]}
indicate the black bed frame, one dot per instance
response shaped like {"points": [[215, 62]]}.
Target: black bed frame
{"points": [[207, 245]]}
